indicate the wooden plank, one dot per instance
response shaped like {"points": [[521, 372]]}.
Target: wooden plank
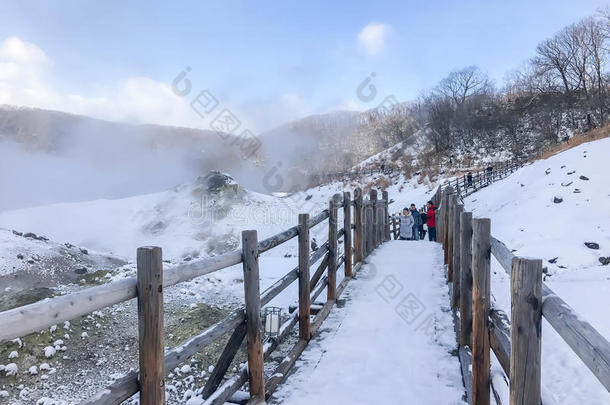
{"points": [[256, 401], [525, 331], [499, 338], [481, 250], [229, 387], [280, 285], [502, 254], [347, 228], [365, 228], [368, 224], [380, 222], [253, 309], [457, 212], [127, 385], [281, 371], [592, 348], [466, 279], [498, 386], [386, 214], [319, 272], [30, 318], [450, 230], [313, 221], [332, 246], [150, 325], [466, 364], [304, 291], [374, 218], [358, 230], [439, 227], [278, 239], [224, 361], [342, 286], [321, 287]]}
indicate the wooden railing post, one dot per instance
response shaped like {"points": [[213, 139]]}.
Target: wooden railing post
{"points": [[368, 224], [347, 238], [446, 226], [466, 279], [304, 292], [441, 221], [379, 231], [481, 262], [150, 325], [358, 230], [457, 211], [332, 246], [440, 212], [525, 330], [373, 198], [450, 235], [253, 309], [386, 214]]}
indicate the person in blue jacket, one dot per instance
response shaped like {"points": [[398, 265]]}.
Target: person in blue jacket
{"points": [[417, 221]]}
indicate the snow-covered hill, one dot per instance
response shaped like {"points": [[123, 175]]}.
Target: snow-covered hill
{"points": [[549, 210], [192, 220]]}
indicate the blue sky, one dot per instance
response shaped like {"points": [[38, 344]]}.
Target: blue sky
{"points": [[269, 62]]}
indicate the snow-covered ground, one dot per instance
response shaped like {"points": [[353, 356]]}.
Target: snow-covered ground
{"points": [[526, 214], [392, 341], [189, 223]]}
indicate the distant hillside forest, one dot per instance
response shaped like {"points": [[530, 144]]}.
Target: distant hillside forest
{"points": [[561, 91]]}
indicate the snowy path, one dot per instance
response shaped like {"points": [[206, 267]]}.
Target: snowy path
{"points": [[392, 341]]}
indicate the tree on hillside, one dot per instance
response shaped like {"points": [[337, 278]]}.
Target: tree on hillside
{"points": [[392, 125], [461, 84]]}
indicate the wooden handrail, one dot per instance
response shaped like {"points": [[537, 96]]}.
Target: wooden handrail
{"points": [[30, 318], [33, 317], [592, 348]]}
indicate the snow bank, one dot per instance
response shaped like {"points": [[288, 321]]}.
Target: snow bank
{"points": [[525, 215]]}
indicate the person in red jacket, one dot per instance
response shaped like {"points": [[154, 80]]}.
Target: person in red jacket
{"points": [[431, 222]]}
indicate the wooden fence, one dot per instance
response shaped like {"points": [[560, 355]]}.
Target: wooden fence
{"points": [[369, 228], [467, 184], [354, 174], [468, 247]]}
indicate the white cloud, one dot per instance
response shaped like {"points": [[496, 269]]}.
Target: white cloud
{"points": [[24, 72], [373, 37], [15, 50]]}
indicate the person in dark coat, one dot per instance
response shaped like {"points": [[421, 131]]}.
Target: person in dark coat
{"points": [[424, 219], [469, 179], [431, 221], [417, 221]]}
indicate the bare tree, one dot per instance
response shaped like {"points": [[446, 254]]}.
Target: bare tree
{"points": [[393, 125], [464, 83], [554, 58]]}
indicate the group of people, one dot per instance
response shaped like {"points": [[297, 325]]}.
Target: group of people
{"points": [[412, 222]]}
